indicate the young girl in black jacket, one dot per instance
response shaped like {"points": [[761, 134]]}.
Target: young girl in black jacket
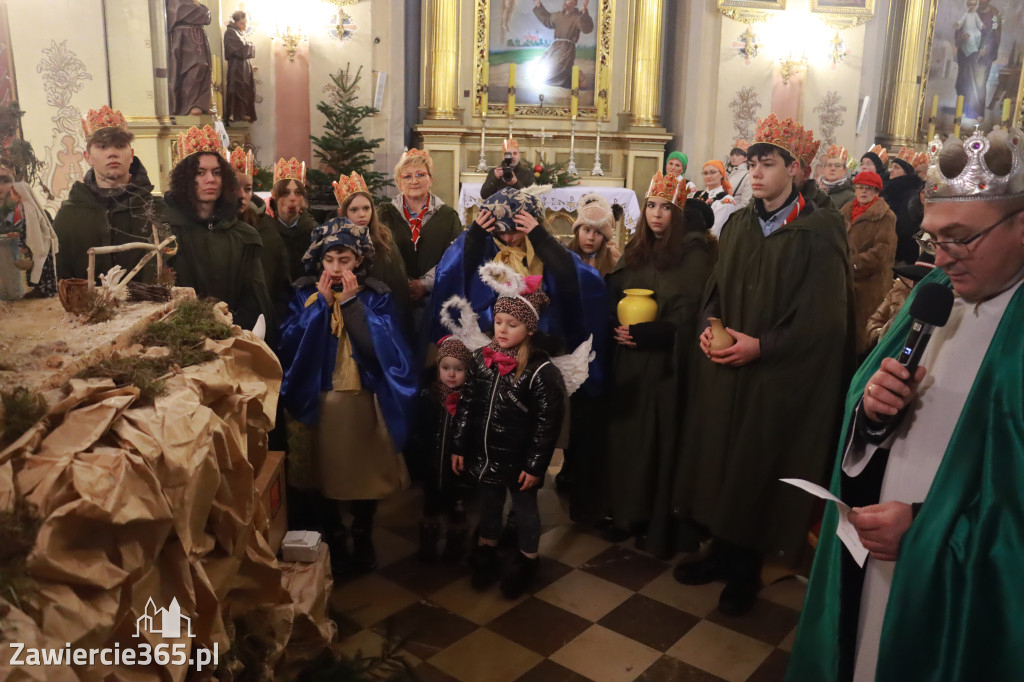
{"points": [[506, 426]]}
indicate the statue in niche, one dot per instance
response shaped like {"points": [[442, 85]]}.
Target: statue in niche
{"points": [[240, 86], [190, 66]]}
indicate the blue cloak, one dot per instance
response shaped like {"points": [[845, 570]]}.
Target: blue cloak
{"points": [[308, 351], [571, 317]]}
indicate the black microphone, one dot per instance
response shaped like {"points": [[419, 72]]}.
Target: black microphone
{"points": [[929, 309]]}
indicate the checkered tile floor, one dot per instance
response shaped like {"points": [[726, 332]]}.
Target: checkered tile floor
{"points": [[600, 611]]}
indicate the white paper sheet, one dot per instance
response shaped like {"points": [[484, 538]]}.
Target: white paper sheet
{"points": [[844, 529]]}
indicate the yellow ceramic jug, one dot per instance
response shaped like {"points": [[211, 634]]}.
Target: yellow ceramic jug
{"points": [[637, 307]]}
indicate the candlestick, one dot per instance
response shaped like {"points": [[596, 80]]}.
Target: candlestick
{"points": [[481, 166], [571, 168], [958, 119], [933, 118], [597, 170], [511, 90], [485, 83], [1005, 120], [574, 100]]}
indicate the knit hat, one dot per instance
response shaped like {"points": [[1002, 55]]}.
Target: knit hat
{"points": [[726, 185], [451, 347], [698, 216], [883, 172], [507, 202], [595, 211], [337, 233], [907, 167], [680, 157], [518, 296], [869, 179]]}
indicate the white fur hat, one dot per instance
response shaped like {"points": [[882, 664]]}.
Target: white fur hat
{"points": [[595, 211]]}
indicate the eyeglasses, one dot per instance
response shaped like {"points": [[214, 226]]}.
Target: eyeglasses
{"points": [[958, 248], [418, 176]]}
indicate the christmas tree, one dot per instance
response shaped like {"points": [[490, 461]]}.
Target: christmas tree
{"points": [[342, 148]]}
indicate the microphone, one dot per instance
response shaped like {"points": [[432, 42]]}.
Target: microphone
{"points": [[929, 309]]}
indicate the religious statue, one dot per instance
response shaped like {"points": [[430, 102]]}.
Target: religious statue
{"points": [[978, 34], [190, 66], [568, 24], [240, 86]]}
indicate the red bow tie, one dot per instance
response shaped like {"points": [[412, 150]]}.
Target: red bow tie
{"points": [[451, 403], [505, 363]]}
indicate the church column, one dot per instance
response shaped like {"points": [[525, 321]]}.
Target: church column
{"points": [[900, 99], [645, 96], [441, 17]]}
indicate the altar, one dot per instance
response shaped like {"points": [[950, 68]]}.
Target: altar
{"points": [[560, 206]]}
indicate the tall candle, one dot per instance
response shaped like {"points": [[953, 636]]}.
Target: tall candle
{"points": [[511, 89], [959, 116], [484, 86], [932, 118], [574, 106], [1005, 120]]}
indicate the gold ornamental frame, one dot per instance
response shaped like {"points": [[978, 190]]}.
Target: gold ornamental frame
{"points": [[844, 17], [481, 51], [749, 11]]}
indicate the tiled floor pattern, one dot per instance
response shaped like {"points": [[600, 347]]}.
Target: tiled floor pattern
{"points": [[600, 611]]}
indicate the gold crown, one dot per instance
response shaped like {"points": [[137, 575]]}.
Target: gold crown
{"points": [[196, 140], [347, 186], [787, 135], [915, 159], [509, 145], [292, 169], [669, 188], [415, 152], [881, 152], [978, 168], [240, 160], [837, 151], [741, 144], [104, 117], [809, 148]]}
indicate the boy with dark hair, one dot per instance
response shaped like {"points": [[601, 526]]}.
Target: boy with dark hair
{"points": [[288, 215], [113, 204], [789, 316]]}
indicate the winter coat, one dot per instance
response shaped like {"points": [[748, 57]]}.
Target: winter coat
{"points": [[506, 425], [439, 230], [898, 193], [524, 178], [429, 452], [872, 239], [295, 240], [881, 319], [841, 194]]}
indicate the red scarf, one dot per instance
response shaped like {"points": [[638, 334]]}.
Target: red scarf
{"points": [[859, 209], [505, 363], [451, 403], [415, 223], [795, 213]]}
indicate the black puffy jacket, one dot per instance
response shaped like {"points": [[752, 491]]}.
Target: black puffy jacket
{"points": [[429, 450], [506, 425]]}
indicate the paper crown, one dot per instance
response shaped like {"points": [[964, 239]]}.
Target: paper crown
{"points": [[241, 160], [837, 151], [809, 148], [345, 187], [196, 140], [104, 117], [915, 159], [292, 169], [881, 152], [786, 134], [741, 144], [415, 152], [669, 188], [510, 145], [977, 169]]}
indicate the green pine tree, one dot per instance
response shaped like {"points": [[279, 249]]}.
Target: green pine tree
{"points": [[342, 147]]}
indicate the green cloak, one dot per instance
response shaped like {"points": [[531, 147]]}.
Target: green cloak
{"points": [[277, 270], [777, 417], [295, 240], [439, 231], [87, 219], [220, 258], [390, 269], [646, 392], [954, 610]]}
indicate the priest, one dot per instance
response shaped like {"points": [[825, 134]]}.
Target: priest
{"points": [[931, 463]]}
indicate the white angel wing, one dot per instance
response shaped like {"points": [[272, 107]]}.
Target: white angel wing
{"points": [[260, 329], [575, 367], [466, 329]]}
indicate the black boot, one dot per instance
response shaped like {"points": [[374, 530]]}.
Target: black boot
{"points": [[743, 582], [715, 566], [364, 557], [485, 567], [510, 533], [337, 542], [519, 576], [430, 533], [454, 544]]}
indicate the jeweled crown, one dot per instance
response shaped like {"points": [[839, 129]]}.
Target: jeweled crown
{"points": [[809, 148], [881, 152], [977, 169], [104, 117], [344, 187], [510, 145], [837, 151], [915, 159], [241, 160], [415, 152], [669, 188], [196, 140], [786, 134], [292, 169], [741, 144]]}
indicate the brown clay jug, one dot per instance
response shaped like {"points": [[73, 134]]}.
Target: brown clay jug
{"points": [[720, 339]]}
